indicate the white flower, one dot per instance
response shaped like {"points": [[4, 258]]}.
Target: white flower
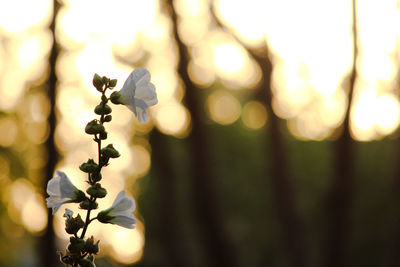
{"points": [[138, 93], [61, 191], [120, 212], [68, 213]]}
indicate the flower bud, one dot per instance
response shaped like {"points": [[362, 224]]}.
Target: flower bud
{"points": [[110, 152], [101, 109], [104, 217], [90, 166], [94, 127], [96, 176], [72, 225], [79, 196], [98, 82], [91, 247], [86, 263], [76, 244], [114, 97], [105, 80], [108, 118], [97, 191], [103, 135], [66, 259], [113, 83], [88, 205]]}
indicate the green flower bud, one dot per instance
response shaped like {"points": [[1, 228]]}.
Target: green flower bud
{"points": [[103, 216], [94, 127], [91, 247], [110, 152], [79, 196], [104, 160], [98, 82], [96, 176], [103, 135], [72, 225], [113, 83], [108, 118], [85, 263], [114, 97], [105, 80], [67, 259], [90, 166], [88, 205], [97, 191], [101, 109], [76, 244]]}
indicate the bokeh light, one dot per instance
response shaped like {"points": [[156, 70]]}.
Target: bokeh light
{"points": [[311, 51], [223, 107], [254, 115]]}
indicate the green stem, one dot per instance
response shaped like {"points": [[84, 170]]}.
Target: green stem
{"points": [[92, 199], [88, 220]]}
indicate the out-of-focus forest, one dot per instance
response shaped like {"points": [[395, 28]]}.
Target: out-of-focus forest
{"points": [[274, 141]]}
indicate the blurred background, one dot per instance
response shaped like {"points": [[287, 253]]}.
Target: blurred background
{"points": [[274, 142]]}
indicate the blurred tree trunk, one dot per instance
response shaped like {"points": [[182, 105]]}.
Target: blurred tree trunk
{"points": [[207, 205], [391, 247], [171, 223], [292, 228], [340, 198], [291, 225], [47, 242]]}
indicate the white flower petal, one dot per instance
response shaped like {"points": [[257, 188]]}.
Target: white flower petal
{"points": [[119, 198], [66, 187], [60, 190], [53, 186], [124, 221], [68, 213], [141, 76], [138, 93], [147, 93], [121, 211], [123, 203], [142, 115]]}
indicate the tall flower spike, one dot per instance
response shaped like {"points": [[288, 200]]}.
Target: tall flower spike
{"points": [[138, 93], [61, 191], [120, 212]]}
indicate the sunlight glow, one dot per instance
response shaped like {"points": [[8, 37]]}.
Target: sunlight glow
{"points": [[374, 116], [229, 58], [223, 107], [172, 118], [111, 23], [28, 206], [254, 115], [21, 15], [34, 214], [9, 130], [126, 244]]}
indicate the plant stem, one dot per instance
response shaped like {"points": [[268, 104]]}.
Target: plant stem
{"points": [[88, 220]]}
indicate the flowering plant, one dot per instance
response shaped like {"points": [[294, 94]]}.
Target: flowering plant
{"points": [[138, 94]]}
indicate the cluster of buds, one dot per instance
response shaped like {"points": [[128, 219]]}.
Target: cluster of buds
{"points": [[138, 94]]}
